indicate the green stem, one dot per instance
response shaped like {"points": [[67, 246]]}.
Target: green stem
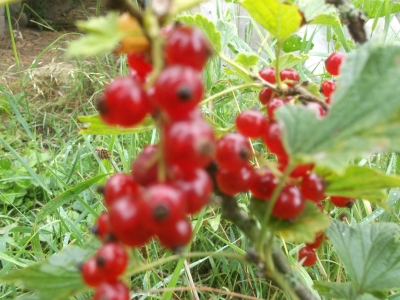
{"points": [[230, 90], [283, 284], [139, 269], [277, 67], [264, 223]]}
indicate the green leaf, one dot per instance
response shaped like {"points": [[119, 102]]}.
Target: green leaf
{"points": [[302, 229], [103, 36], [370, 254], [362, 183], [376, 8], [56, 278], [364, 117], [207, 26], [247, 60], [326, 19], [289, 60], [294, 43], [318, 12], [338, 291], [228, 31], [280, 19], [97, 126], [68, 195]]}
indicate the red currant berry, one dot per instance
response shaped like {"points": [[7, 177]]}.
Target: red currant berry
{"points": [[272, 138], [309, 256], [263, 184], [317, 242], [102, 227], [175, 235], [290, 75], [272, 105], [234, 182], [233, 151], [343, 201], [187, 46], [111, 260], [90, 273], [126, 219], [290, 203], [328, 87], [268, 74], [145, 166], [317, 108], [138, 63], [266, 95], [111, 291], [334, 62], [313, 187], [124, 103], [163, 205], [117, 186], [328, 100], [197, 187], [251, 123], [178, 90], [189, 144]]}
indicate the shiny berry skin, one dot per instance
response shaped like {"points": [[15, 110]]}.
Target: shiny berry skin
{"points": [[102, 227], [289, 74], [234, 182], [178, 90], [111, 260], [187, 46], [138, 63], [268, 74], [272, 138], [145, 166], [328, 87], [111, 291], [317, 242], [313, 187], [309, 255], [299, 171], [117, 186], [175, 235], [263, 184], [197, 187], [251, 123], [317, 108], [333, 63], [163, 205], [233, 151], [124, 103], [272, 105], [265, 95], [342, 201], [189, 144], [91, 274], [290, 203], [126, 219]]}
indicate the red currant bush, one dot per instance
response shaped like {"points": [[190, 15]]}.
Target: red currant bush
{"points": [[145, 166], [268, 74], [328, 87], [117, 186], [313, 187], [175, 235], [290, 75], [111, 260], [139, 65], [343, 201]]}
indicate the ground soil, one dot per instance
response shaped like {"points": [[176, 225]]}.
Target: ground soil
{"points": [[47, 46]]}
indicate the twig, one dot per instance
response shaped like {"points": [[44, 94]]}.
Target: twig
{"points": [[124, 5]]}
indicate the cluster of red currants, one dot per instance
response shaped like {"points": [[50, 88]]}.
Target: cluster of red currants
{"points": [[168, 180]]}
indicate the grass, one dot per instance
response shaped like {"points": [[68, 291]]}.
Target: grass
{"points": [[41, 146]]}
